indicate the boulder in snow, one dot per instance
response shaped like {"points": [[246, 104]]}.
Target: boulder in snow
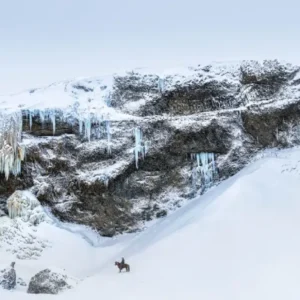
{"points": [[48, 282]]}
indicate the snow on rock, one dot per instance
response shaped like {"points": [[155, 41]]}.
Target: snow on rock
{"points": [[49, 282], [89, 174], [20, 239]]}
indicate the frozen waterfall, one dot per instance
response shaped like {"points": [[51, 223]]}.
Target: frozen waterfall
{"points": [[12, 152], [205, 168]]}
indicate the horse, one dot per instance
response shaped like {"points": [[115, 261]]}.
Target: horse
{"points": [[122, 266]]}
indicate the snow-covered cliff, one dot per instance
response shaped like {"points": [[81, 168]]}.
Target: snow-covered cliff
{"points": [[113, 152]]}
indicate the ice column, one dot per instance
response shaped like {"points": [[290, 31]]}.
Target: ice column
{"points": [[87, 127], [30, 120], [12, 152], [205, 166], [161, 85], [141, 148], [52, 118]]}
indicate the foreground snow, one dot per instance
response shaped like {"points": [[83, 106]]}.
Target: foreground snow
{"points": [[238, 241]]}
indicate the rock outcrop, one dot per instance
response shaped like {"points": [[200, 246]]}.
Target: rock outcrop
{"points": [[48, 282], [8, 278], [232, 111]]}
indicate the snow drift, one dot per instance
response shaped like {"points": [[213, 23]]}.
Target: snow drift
{"points": [[238, 241]]}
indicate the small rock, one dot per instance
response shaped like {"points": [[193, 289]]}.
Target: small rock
{"points": [[21, 282], [161, 214]]}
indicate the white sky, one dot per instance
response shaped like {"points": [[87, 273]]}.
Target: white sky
{"points": [[49, 40]]}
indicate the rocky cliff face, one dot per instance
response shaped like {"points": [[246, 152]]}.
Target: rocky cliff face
{"points": [[232, 111]]}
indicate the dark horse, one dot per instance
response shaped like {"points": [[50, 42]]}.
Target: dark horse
{"points": [[122, 266]]}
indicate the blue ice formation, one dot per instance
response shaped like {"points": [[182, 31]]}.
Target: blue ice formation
{"points": [[12, 151], [206, 167], [141, 148], [161, 85]]}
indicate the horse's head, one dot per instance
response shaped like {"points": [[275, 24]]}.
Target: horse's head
{"points": [[116, 263]]}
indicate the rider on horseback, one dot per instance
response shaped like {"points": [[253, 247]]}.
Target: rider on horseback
{"points": [[122, 265]]}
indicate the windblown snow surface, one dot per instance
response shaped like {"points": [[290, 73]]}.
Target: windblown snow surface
{"points": [[241, 240]]}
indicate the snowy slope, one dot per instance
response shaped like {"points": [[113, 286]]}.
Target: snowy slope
{"points": [[239, 241], [72, 97], [80, 96], [94, 91]]}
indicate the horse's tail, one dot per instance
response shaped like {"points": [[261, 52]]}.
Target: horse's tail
{"points": [[128, 268]]}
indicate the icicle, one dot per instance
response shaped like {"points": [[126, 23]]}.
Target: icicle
{"points": [[206, 166], [140, 148], [42, 116], [30, 120], [161, 85], [80, 126], [52, 118], [87, 127]]}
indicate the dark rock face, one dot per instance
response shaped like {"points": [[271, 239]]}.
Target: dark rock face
{"points": [[194, 98], [274, 127], [231, 111], [269, 73], [47, 282], [45, 127], [134, 87]]}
